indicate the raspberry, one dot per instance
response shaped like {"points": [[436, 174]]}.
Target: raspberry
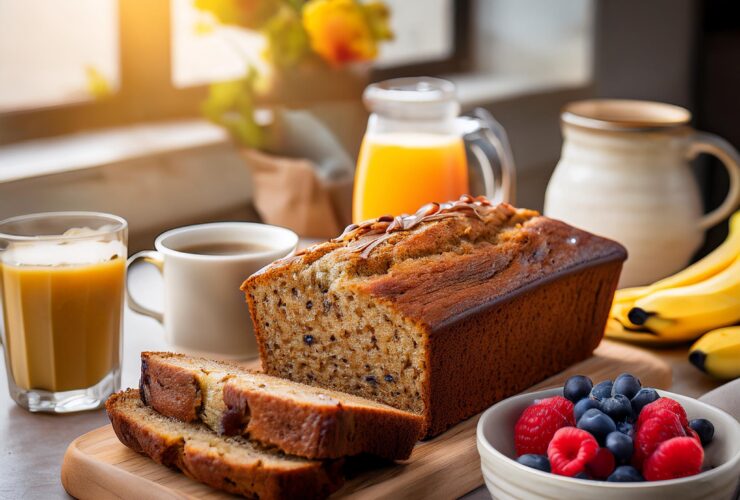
{"points": [[693, 434], [535, 428], [663, 426], [661, 413], [674, 458], [602, 465], [570, 450], [562, 405], [664, 403]]}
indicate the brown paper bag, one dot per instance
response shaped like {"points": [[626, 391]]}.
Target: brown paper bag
{"points": [[288, 193]]}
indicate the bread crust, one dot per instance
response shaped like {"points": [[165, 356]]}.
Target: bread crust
{"points": [[331, 428], [327, 431], [496, 363], [197, 459]]}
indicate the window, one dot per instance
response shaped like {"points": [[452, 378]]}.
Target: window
{"points": [[86, 64], [203, 53], [47, 60]]}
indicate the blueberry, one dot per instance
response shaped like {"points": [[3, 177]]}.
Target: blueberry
{"points": [[602, 390], [626, 428], [597, 423], [625, 474], [620, 445], [643, 398], [704, 428], [618, 407], [626, 384], [582, 475], [582, 406], [539, 462], [577, 387]]}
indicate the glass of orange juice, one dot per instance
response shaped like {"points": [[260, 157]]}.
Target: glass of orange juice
{"points": [[416, 149], [61, 287]]}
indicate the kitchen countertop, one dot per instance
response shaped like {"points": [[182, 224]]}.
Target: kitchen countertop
{"points": [[32, 445]]}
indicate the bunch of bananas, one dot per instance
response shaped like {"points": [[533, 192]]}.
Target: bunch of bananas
{"points": [[704, 297]]}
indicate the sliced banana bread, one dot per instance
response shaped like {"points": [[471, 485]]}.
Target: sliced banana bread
{"points": [[441, 313], [299, 419], [232, 464]]}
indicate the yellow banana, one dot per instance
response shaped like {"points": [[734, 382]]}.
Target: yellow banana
{"points": [[616, 331], [629, 295], [687, 329], [686, 312], [664, 316], [718, 353], [713, 294], [710, 265], [620, 312]]}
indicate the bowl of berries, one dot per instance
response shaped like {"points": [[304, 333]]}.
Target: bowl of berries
{"points": [[612, 440]]}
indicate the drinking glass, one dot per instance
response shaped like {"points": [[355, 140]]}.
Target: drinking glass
{"points": [[417, 150], [62, 288]]}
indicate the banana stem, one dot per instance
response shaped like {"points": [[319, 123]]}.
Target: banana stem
{"points": [[638, 316]]}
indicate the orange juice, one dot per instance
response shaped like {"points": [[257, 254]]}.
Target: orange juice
{"points": [[63, 316], [398, 173]]}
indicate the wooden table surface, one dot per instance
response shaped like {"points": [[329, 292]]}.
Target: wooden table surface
{"points": [[32, 445]]}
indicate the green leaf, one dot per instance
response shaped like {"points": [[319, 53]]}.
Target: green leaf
{"points": [[231, 104], [287, 41]]}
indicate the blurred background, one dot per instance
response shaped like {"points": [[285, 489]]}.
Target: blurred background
{"points": [[110, 105]]}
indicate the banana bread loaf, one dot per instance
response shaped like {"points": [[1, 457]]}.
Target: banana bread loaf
{"points": [[232, 464], [299, 419], [440, 313]]}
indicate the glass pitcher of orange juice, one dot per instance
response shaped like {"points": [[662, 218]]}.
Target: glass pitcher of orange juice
{"points": [[417, 150]]}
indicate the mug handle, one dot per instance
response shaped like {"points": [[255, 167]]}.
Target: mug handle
{"points": [[152, 257], [711, 144], [501, 187]]}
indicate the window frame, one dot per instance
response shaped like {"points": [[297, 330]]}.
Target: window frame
{"points": [[459, 61]]}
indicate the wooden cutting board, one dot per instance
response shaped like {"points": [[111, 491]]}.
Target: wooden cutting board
{"points": [[97, 466]]}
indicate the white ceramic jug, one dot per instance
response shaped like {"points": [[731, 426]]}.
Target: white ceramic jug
{"points": [[624, 173]]}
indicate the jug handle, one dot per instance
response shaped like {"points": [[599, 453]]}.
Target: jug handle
{"points": [[703, 142], [496, 136]]}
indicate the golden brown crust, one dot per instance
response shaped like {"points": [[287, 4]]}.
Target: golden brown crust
{"points": [[501, 351], [334, 427], [429, 238], [437, 290], [262, 476], [207, 465], [327, 431]]}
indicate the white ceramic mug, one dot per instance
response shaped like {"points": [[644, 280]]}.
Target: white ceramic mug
{"points": [[624, 173], [204, 310]]}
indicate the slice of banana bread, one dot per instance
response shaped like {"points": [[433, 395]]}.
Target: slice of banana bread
{"points": [[232, 464], [299, 419], [441, 313]]}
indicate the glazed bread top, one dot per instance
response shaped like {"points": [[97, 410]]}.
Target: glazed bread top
{"points": [[446, 260]]}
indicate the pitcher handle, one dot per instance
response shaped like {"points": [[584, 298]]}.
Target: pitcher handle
{"points": [[151, 257], [703, 142], [496, 136]]}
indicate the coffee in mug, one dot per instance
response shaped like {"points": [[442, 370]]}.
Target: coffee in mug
{"points": [[203, 267], [224, 248]]}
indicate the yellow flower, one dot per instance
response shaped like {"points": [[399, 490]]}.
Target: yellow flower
{"points": [[343, 31]]}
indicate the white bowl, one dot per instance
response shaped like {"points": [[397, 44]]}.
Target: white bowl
{"points": [[506, 478]]}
